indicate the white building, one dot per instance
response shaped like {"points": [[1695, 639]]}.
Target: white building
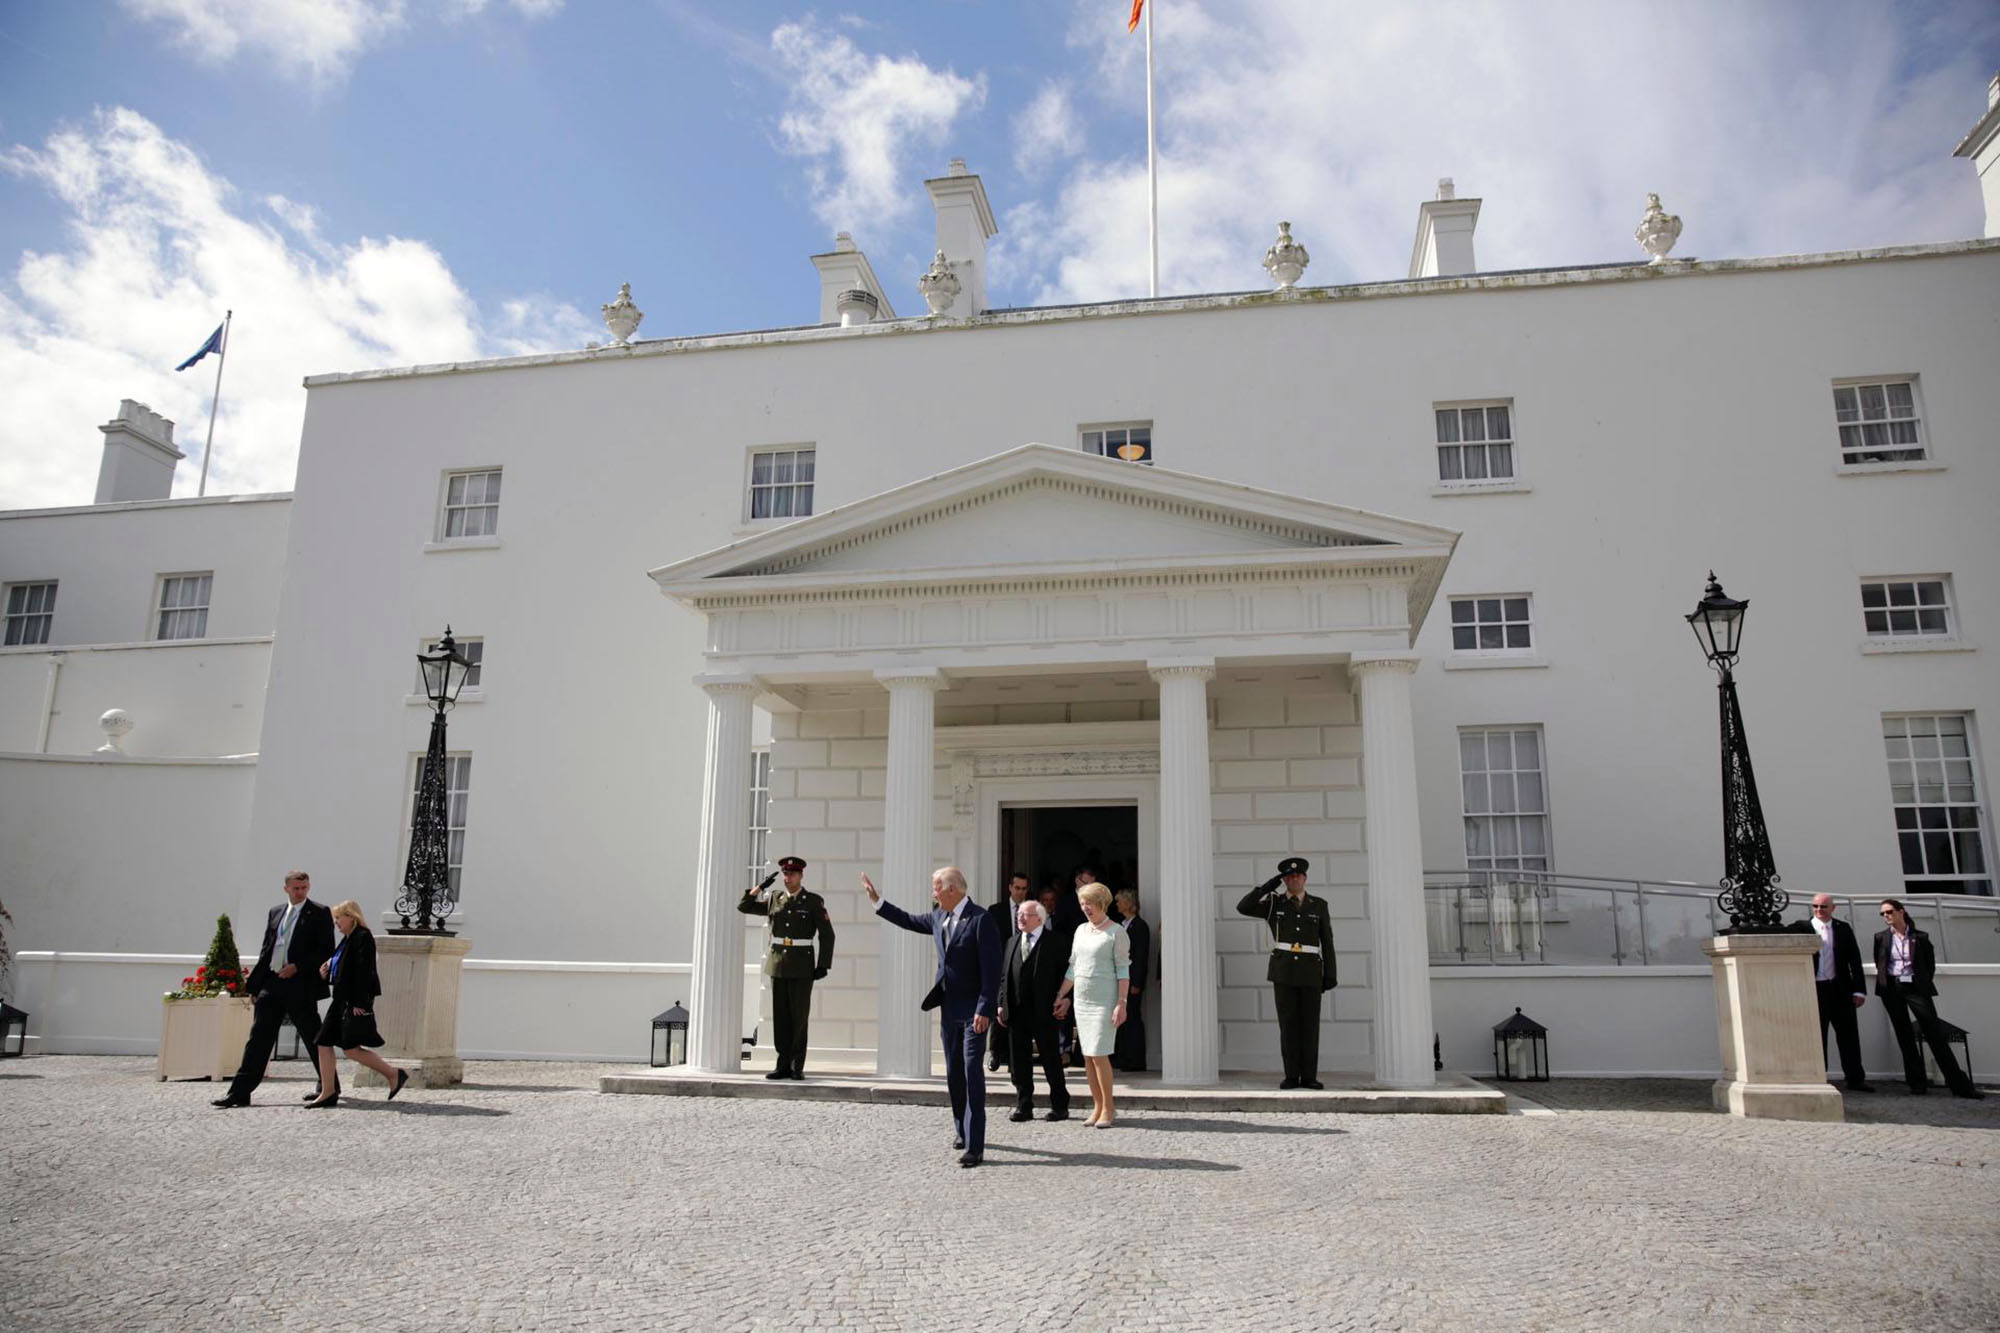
{"points": [[1395, 582]]}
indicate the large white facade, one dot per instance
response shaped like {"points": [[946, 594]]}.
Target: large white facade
{"points": [[1662, 420]]}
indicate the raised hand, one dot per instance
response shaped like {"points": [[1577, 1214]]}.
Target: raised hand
{"points": [[868, 887]]}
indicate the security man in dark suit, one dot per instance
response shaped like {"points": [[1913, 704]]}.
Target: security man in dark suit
{"points": [[298, 937], [798, 918], [1302, 966]]}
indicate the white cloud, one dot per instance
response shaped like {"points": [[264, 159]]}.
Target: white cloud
{"points": [[158, 248], [1769, 129], [1046, 130], [317, 41], [314, 39], [858, 120]]}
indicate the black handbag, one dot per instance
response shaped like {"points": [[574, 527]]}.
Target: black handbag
{"points": [[358, 1029]]}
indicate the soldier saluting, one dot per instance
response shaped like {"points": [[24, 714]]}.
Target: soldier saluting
{"points": [[1302, 967], [797, 918]]}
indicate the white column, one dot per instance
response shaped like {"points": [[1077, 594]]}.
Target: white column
{"points": [[715, 999], [908, 960], [1190, 1046], [1400, 968]]}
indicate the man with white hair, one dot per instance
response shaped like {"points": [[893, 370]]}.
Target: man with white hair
{"points": [[1030, 976], [968, 940]]}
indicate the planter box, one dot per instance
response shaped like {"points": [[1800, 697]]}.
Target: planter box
{"points": [[204, 1038]]}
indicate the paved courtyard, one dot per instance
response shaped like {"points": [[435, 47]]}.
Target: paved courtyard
{"points": [[526, 1199]]}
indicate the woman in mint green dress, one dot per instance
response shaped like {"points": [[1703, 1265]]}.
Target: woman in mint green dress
{"points": [[1100, 974]]}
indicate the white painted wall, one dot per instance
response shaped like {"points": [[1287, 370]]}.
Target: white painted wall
{"points": [[1665, 424]]}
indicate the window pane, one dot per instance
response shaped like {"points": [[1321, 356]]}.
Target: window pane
{"points": [[1874, 594], [1873, 405], [1464, 638], [1473, 423], [760, 469], [1475, 794], [1516, 608], [1901, 403], [1845, 407], [1490, 637], [1500, 459], [1489, 609], [1462, 611], [454, 493], [1450, 466], [1517, 636], [492, 488], [781, 468], [1500, 752], [802, 469], [1497, 427], [1475, 464], [1471, 752], [1447, 427]]}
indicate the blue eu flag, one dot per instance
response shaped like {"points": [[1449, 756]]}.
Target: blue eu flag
{"points": [[214, 344]]}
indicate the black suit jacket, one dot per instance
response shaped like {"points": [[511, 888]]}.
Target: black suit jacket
{"points": [[358, 982], [1923, 965], [1028, 988], [312, 944], [1141, 935], [1846, 955]]}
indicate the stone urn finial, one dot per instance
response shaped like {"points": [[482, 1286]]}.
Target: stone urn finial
{"points": [[939, 285], [1286, 260], [622, 317], [116, 724], [1657, 231]]}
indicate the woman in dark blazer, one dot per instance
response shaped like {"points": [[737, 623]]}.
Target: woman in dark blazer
{"points": [[350, 1018], [1905, 972]]}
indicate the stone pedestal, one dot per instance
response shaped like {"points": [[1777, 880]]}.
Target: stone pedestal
{"points": [[418, 1008], [1767, 1015]]}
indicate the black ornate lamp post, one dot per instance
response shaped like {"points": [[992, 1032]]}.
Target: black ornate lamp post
{"points": [[1750, 892], [427, 891]]}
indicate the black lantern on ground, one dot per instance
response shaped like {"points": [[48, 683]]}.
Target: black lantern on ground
{"points": [[14, 1031], [1750, 892], [670, 1037], [428, 893], [1521, 1050]]}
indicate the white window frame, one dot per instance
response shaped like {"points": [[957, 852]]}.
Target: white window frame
{"points": [[792, 488], [167, 584], [760, 811], [1953, 773], [1869, 459], [1443, 484], [46, 615], [488, 501], [457, 805], [1513, 819], [1105, 446], [1504, 621], [1932, 597]]}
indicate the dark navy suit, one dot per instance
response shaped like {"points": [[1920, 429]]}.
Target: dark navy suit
{"points": [[966, 986]]}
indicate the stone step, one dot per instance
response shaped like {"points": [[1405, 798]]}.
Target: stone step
{"points": [[1455, 1094]]}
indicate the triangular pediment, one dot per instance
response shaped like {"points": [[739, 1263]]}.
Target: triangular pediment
{"points": [[1040, 509]]}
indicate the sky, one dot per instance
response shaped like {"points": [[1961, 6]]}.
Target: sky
{"points": [[372, 183]]}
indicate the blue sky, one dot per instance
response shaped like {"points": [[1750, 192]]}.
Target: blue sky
{"points": [[383, 182]]}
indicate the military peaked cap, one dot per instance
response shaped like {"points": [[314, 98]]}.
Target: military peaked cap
{"points": [[791, 863], [1293, 865]]}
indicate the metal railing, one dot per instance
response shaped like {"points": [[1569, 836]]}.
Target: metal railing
{"points": [[1487, 917]]}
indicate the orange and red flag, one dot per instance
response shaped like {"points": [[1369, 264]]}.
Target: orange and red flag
{"points": [[1138, 8]]}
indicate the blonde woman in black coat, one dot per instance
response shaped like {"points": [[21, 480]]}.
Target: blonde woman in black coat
{"points": [[350, 1018]]}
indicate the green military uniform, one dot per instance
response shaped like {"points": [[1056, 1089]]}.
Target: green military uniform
{"points": [[797, 920], [1302, 966]]}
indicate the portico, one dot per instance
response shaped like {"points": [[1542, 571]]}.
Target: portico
{"points": [[1044, 625]]}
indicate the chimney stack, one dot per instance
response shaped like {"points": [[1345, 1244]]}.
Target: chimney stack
{"points": [[1982, 145], [964, 225], [844, 270], [139, 456], [1444, 235]]}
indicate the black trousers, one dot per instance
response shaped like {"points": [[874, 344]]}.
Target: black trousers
{"points": [[1128, 1053], [278, 1002], [1298, 1029], [1904, 1005], [1836, 1009], [791, 1015], [1023, 1041]]}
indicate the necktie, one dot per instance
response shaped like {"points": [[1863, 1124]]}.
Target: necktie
{"points": [[1027, 947], [281, 955]]}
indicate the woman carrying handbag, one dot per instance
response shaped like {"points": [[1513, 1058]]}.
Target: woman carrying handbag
{"points": [[350, 1017]]}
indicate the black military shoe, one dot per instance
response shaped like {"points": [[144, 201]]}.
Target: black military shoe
{"points": [[1023, 1114], [1313, 1084], [779, 1073], [1062, 1114], [1288, 1085]]}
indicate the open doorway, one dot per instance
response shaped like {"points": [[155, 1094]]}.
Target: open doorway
{"points": [[1047, 843]]}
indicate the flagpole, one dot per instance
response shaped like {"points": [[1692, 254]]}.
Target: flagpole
{"points": [[215, 401], [1152, 159]]}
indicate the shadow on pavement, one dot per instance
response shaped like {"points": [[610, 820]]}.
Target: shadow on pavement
{"points": [[1043, 1157], [420, 1108], [523, 1087]]}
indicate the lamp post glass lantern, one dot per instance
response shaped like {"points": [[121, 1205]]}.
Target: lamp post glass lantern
{"points": [[1520, 1050], [1750, 892], [670, 1037], [428, 894]]}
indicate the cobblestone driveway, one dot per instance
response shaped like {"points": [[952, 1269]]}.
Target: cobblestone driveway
{"points": [[525, 1199]]}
